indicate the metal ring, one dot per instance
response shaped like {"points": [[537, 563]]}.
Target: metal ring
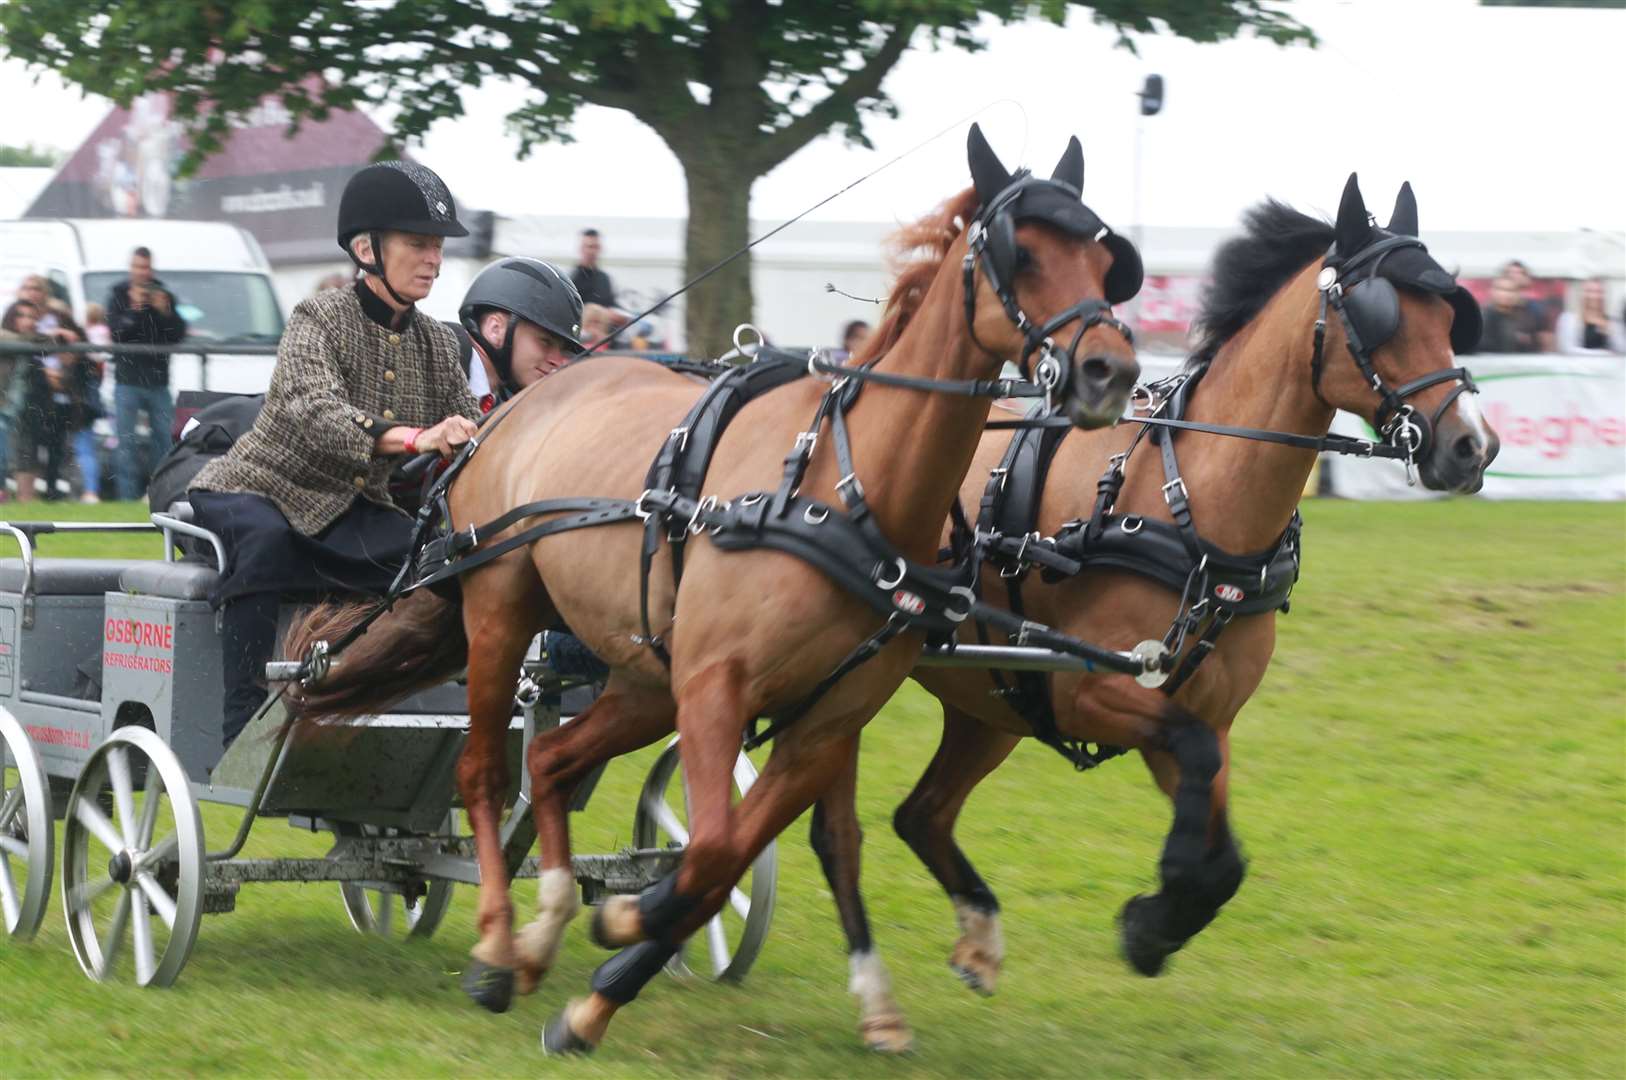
{"points": [[743, 346], [1047, 372], [970, 601], [823, 514], [751, 499], [1131, 530], [900, 568]]}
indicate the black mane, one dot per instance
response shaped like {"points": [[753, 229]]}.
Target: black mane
{"points": [[1277, 243]]}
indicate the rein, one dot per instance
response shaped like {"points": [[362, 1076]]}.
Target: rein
{"points": [[846, 545]]}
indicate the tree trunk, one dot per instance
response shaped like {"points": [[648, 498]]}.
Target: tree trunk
{"points": [[719, 225]]}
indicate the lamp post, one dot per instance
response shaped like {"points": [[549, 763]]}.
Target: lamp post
{"points": [[1151, 103]]}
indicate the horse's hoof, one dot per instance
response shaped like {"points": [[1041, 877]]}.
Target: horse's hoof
{"points": [[974, 980], [887, 1035], [1145, 950], [616, 923], [559, 1041], [491, 987]]}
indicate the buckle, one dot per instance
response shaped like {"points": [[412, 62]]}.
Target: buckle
{"points": [[1168, 490], [639, 510], [850, 481], [695, 526], [681, 434]]}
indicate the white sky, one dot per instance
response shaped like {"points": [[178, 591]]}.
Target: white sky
{"points": [[1501, 118]]}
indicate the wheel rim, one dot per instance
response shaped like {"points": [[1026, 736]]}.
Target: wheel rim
{"points": [[27, 837], [727, 945], [383, 910], [132, 878]]}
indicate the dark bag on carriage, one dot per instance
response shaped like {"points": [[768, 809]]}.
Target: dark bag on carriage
{"points": [[207, 434]]}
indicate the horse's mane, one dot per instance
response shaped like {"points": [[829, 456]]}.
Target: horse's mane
{"points": [[1248, 270], [917, 251]]}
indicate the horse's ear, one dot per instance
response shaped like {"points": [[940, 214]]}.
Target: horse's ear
{"points": [[1352, 228], [1403, 222], [1070, 169], [989, 176]]}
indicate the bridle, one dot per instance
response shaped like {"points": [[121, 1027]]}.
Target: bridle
{"points": [[1368, 306], [991, 243]]}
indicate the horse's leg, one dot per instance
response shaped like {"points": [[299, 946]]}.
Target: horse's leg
{"points": [[968, 752], [500, 626], [837, 841], [723, 842], [622, 719], [711, 720], [1201, 867]]}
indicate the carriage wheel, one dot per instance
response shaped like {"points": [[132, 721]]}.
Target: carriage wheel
{"points": [[384, 909], [729, 943], [27, 836], [134, 875]]}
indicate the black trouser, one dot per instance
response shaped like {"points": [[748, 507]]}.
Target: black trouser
{"points": [[248, 637]]}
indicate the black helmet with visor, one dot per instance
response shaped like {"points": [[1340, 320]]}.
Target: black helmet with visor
{"points": [[529, 289]]}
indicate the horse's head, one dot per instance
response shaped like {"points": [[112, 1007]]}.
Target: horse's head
{"points": [[1053, 272], [1402, 318]]}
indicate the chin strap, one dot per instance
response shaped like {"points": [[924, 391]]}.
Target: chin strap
{"points": [[376, 267]]}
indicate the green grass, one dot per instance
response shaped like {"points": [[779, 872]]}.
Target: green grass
{"points": [[1430, 786]]}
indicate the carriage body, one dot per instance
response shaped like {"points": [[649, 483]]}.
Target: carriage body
{"points": [[111, 696]]}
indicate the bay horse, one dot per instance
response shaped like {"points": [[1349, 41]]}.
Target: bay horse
{"points": [[749, 633], [1258, 364]]}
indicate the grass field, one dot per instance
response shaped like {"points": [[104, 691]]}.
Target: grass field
{"points": [[1431, 788]]}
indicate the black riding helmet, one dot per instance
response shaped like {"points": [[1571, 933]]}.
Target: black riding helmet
{"points": [[401, 196], [529, 289]]}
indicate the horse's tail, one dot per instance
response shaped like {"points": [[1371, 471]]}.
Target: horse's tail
{"points": [[417, 644]]}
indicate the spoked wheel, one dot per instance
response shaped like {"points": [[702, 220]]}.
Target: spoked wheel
{"points": [[387, 910], [27, 837], [727, 946], [134, 876]]}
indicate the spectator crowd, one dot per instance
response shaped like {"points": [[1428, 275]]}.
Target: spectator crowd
{"points": [[51, 401], [1519, 320]]}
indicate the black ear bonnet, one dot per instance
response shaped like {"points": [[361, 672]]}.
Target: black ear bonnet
{"points": [[1058, 202], [1393, 256]]}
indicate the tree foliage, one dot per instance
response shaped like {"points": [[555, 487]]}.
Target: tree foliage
{"points": [[733, 87], [29, 156]]}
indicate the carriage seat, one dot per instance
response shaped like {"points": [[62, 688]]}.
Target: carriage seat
{"points": [[171, 580], [68, 577]]}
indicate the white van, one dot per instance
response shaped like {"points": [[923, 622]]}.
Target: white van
{"points": [[220, 277]]}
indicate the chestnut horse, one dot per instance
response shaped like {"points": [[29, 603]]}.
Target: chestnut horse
{"points": [[1259, 323], [748, 633]]}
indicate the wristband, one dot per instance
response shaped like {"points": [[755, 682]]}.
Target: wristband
{"points": [[411, 443]]}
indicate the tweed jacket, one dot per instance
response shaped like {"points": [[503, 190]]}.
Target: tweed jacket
{"points": [[341, 381]]}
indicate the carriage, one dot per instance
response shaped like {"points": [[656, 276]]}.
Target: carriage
{"points": [[110, 720]]}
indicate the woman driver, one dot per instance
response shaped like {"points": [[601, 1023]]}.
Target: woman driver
{"points": [[300, 501]]}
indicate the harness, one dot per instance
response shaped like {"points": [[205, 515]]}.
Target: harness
{"points": [[843, 542], [1214, 585]]}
